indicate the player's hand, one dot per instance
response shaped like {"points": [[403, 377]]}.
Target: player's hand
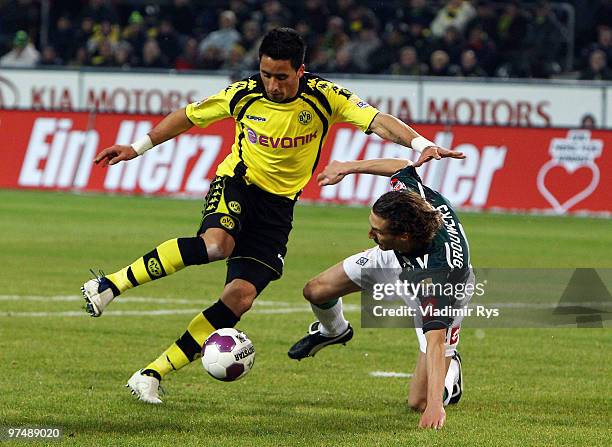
{"points": [[332, 174], [114, 154], [433, 417], [436, 152]]}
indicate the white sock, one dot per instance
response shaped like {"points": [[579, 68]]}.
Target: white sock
{"points": [[452, 377], [332, 319]]}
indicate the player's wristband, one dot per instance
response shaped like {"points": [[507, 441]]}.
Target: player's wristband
{"points": [[419, 143], [144, 144]]}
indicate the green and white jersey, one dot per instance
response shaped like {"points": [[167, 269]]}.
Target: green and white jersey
{"points": [[449, 250]]}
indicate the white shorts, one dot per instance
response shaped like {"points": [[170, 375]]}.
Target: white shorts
{"points": [[382, 266]]}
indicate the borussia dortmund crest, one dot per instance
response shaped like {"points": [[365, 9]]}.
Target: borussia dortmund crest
{"points": [[305, 117]]}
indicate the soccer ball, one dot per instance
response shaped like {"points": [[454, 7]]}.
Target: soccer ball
{"points": [[228, 354]]}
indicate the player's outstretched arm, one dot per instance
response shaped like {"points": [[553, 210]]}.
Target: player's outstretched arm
{"points": [[392, 129], [434, 415], [171, 126], [337, 170]]}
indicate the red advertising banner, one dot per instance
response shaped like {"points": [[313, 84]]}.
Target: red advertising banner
{"points": [[551, 170]]}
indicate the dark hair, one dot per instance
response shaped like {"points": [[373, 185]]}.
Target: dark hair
{"points": [[284, 44], [407, 212]]}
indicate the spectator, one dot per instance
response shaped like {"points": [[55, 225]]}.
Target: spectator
{"points": [[452, 43], [182, 14], [320, 60], [104, 32], [235, 60], [23, 53], [334, 36], [361, 18], [212, 59], [224, 38], [80, 58], [188, 59], [511, 31], [251, 39], [274, 12], [310, 38], [604, 43], [418, 11], [418, 37], [543, 41], [388, 52], [456, 13], [134, 34], [85, 32], [439, 64], [103, 54], [241, 9], [251, 35], [469, 65], [343, 62], [511, 28], [48, 57], [313, 12], [152, 56], [597, 69], [408, 64], [485, 19], [362, 48], [588, 122], [484, 49], [122, 56], [168, 41], [62, 38]]}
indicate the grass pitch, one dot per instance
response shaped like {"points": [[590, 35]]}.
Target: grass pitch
{"points": [[62, 368]]}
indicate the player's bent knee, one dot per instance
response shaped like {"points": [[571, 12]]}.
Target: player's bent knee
{"points": [[313, 292], [219, 245], [239, 295]]}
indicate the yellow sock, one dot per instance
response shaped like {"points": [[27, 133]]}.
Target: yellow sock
{"points": [[167, 258], [185, 350], [189, 347]]}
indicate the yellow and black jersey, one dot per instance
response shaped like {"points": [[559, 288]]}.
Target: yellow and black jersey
{"points": [[278, 145]]}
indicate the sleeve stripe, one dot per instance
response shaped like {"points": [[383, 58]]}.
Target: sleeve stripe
{"points": [[322, 100], [368, 131], [246, 106], [421, 191], [448, 255], [325, 128]]}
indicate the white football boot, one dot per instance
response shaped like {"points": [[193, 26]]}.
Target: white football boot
{"points": [[98, 294], [146, 388]]}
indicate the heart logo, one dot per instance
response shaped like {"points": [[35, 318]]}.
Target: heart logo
{"points": [[572, 153], [563, 207]]}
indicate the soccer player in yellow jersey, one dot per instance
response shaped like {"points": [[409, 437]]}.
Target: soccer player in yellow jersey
{"points": [[283, 116]]}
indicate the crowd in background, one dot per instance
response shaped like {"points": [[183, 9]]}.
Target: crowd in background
{"points": [[403, 37]]}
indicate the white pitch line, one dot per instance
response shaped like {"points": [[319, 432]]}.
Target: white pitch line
{"points": [[133, 299], [267, 303], [389, 374], [130, 313]]}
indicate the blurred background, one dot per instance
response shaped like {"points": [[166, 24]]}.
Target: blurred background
{"points": [[518, 39]]}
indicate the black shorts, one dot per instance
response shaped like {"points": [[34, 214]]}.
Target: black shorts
{"points": [[259, 221]]}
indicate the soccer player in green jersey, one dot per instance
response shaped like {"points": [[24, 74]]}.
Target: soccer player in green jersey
{"points": [[420, 240], [283, 116]]}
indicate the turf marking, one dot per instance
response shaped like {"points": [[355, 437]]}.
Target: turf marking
{"points": [[389, 374]]}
